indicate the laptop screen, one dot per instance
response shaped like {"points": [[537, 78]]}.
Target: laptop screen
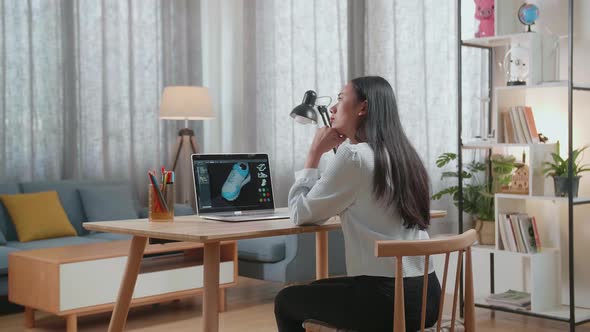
{"points": [[232, 182]]}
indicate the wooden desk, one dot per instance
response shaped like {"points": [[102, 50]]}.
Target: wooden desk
{"points": [[210, 233]]}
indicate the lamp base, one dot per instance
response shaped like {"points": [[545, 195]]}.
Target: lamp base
{"points": [[186, 144], [513, 83]]}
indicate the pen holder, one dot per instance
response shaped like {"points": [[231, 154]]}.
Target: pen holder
{"points": [[161, 203]]}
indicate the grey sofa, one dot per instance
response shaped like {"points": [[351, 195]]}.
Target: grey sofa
{"points": [[288, 259], [284, 259], [78, 207]]}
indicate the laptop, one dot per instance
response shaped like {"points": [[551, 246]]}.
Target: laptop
{"points": [[234, 187]]}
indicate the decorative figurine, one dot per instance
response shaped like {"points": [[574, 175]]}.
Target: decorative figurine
{"points": [[516, 65], [484, 13]]}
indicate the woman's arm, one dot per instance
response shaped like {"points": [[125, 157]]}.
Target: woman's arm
{"points": [[313, 200]]}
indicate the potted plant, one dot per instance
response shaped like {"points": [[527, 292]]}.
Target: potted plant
{"points": [[558, 170], [478, 192]]}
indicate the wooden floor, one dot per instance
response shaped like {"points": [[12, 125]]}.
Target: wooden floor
{"points": [[250, 308]]}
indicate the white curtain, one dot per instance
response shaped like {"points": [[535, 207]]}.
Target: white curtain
{"points": [[413, 45], [81, 82], [259, 59], [261, 56]]}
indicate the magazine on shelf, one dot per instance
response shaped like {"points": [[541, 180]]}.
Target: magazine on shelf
{"points": [[511, 299]]}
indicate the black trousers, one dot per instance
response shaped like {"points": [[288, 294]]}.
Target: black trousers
{"points": [[363, 303]]}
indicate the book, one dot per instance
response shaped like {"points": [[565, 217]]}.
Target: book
{"points": [[508, 128], [510, 233], [503, 239], [516, 230], [530, 120], [523, 124], [536, 234], [504, 129], [526, 231], [509, 241], [518, 131]]}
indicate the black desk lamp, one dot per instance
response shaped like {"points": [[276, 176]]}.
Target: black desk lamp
{"points": [[305, 112]]}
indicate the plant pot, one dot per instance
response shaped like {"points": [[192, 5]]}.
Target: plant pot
{"points": [[486, 232], [561, 185]]}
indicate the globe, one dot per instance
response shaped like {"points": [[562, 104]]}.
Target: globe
{"points": [[528, 14]]}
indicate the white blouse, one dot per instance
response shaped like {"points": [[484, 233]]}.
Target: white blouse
{"points": [[345, 189]]}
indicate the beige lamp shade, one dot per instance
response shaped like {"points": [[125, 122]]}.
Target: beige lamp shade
{"points": [[186, 103]]}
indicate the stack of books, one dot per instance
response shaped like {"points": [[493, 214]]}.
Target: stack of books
{"points": [[518, 124], [519, 233], [511, 299]]}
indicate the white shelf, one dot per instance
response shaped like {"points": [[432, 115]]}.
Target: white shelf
{"points": [[550, 84], [492, 249], [577, 200], [491, 145], [497, 41], [561, 312], [581, 86]]}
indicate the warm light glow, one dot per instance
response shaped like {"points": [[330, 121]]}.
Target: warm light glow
{"points": [[186, 103], [303, 120]]}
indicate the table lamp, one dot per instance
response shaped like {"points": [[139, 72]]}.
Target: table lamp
{"points": [[185, 103], [305, 113]]}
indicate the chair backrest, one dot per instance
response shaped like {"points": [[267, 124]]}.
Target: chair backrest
{"points": [[460, 244]]}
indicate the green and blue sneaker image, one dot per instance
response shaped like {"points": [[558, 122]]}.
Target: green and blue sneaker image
{"points": [[237, 178]]}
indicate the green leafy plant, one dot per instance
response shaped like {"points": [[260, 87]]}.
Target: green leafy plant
{"points": [[478, 194], [559, 165], [502, 167]]}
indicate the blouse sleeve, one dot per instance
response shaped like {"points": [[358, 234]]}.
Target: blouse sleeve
{"points": [[314, 199]]}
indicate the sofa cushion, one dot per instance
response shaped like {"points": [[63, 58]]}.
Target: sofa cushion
{"points": [[38, 216], [6, 226], [267, 250], [52, 243], [108, 236], [68, 195], [108, 202], [4, 251]]}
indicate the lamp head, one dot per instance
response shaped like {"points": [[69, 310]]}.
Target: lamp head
{"points": [[305, 112]]}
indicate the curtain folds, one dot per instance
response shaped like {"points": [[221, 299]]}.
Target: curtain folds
{"points": [[81, 80]]}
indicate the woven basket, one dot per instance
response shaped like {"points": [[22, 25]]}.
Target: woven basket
{"points": [[486, 232]]}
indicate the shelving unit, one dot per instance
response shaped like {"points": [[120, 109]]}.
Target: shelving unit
{"points": [[538, 270]]}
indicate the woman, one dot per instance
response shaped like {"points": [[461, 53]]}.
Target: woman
{"points": [[380, 188]]}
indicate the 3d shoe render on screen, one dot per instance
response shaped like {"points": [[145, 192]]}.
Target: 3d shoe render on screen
{"points": [[237, 178]]}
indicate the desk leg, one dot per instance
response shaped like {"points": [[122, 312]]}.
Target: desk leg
{"points": [[222, 298], [29, 317], [211, 288], [127, 284], [72, 323], [321, 255]]}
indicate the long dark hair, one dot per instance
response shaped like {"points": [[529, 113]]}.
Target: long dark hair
{"points": [[400, 178]]}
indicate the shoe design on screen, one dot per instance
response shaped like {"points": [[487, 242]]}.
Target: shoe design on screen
{"points": [[237, 178]]}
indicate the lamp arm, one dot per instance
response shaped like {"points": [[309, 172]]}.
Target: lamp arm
{"points": [[325, 118], [324, 114]]}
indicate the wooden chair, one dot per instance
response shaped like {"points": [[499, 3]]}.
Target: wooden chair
{"points": [[398, 249]]}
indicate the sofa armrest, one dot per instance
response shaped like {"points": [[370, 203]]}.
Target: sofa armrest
{"points": [[143, 212], [183, 210]]}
